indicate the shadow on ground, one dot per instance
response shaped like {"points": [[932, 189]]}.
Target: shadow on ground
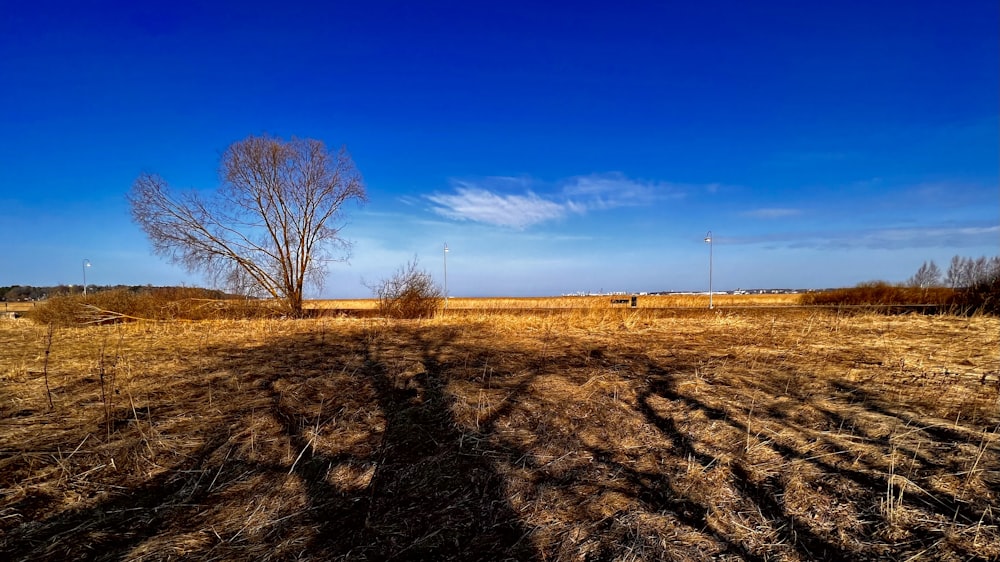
{"points": [[416, 442]]}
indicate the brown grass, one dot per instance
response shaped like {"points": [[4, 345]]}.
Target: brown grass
{"points": [[160, 303], [881, 293], [585, 302], [550, 435]]}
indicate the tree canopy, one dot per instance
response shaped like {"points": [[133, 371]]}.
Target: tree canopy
{"points": [[270, 229]]}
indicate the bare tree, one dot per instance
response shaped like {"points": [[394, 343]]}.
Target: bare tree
{"points": [[965, 272], [955, 278], [272, 227], [927, 276]]}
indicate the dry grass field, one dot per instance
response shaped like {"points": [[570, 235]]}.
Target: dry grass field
{"points": [[609, 434], [587, 302]]}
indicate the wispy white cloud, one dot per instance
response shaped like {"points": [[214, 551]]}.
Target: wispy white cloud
{"points": [[933, 236], [946, 194], [480, 205], [941, 235], [772, 213], [607, 191], [490, 200]]}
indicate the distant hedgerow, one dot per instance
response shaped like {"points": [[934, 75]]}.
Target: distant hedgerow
{"points": [[982, 297], [166, 303], [881, 293]]}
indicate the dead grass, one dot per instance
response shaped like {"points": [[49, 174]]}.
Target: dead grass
{"points": [[162, 304], [551, 435], [581, 302]]}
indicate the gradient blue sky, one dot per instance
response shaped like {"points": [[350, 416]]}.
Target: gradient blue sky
{"points": [[555, 147]]}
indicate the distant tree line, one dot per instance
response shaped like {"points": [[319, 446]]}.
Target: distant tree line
{"points": [[962, 273], [30, 293], [22, 293], [974, 282]]}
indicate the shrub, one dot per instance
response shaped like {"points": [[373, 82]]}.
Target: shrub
{"points": [[166, 303], [981, 297], [880, 293], [409, 293]]}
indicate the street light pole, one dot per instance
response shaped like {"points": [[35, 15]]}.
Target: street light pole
{"points": [[445, 254], [708, 238], [86, 264]]}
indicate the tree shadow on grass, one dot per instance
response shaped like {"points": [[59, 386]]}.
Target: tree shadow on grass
{"points": [[434, 495], [325, 450], [423, 493], [431, 495], [927, 512], [353, 445]]}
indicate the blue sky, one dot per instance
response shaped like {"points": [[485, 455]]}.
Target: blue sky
{"points": [[555, 147]]}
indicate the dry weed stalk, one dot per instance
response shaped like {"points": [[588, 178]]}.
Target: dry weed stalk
{"points": [[45, 368]]}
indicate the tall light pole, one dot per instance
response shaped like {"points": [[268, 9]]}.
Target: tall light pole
{"points": [[445, 254], [708, 238], [86, 264]]}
